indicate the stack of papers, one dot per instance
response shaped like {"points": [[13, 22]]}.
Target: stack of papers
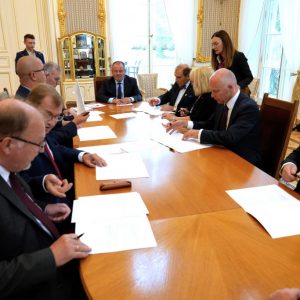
{"points": [[275, 209], [94, 115], [151, 110], [114, 222], [95, 133]]}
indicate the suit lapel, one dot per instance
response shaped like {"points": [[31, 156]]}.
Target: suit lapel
{"points": [[235, 109], [8, 193]]}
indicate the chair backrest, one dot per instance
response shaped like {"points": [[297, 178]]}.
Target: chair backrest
{"points": [[253, 86], [98, 82], [147, 84], [277, 121]]}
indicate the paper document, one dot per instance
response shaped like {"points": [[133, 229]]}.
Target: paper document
{"points": [[117, 234], [124, 116], [93, 208], [148, 109], [124, 104], [122, 166], [94, 116], [94, 105], [275, 209], [79, 99], [95, 133]]}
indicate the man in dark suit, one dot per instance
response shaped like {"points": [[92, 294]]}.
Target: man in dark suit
{"points": [[181, 95], [120, 88], [35, 262], [29, 42], [31, 73], [290, 168], [44, 175], [235, 123]]}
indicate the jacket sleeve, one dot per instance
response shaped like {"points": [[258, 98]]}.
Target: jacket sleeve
{"points": [[136, 93]]}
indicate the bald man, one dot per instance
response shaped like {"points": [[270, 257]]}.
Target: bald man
{"points": [[30, 70], [35, 261], [181, 95], [235, 123]]}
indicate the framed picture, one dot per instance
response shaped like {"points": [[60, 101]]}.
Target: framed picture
{"points": [[81, 41]]}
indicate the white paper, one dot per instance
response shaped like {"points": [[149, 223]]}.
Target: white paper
{"points": [[275, 209], [93, 208], [94, 105], [95, 133], [122, 166], [79, 99], [94, 116], [124, 116], [174, 141], [117, 234], [124, 104], [148, 109]]}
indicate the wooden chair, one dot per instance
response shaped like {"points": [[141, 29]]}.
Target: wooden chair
{"points": [[277, 121], [148, 85], [98, 83]]}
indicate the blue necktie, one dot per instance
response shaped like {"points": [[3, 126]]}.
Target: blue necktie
{"points": [[119, 91]]}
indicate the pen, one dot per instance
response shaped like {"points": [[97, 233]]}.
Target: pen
{"points": [[79, 236]]}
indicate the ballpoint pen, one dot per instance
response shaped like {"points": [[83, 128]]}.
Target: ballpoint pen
{"points": [[79, 236]]}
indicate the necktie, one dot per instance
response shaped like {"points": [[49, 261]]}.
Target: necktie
{"points": [[55, 166], [119, 91], [223, 120], [32, 206]]}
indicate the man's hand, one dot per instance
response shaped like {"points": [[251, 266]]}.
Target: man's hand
{"points": [[57, 187], [167, 107], [288, 173], [57, 212], [285, 294], [175, 126], [93, 160], [126, 100], [183, 112], [190, 134], [168, 116], [81, 118], [68, 247], [153, 101]]}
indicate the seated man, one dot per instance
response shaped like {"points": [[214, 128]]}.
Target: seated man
{"points": [[52, 170], [290, 168], [35, 261], [235, 123], [120, 88], [181, 95]]}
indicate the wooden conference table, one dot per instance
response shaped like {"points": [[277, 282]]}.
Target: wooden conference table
{"points": [[208, 247]]}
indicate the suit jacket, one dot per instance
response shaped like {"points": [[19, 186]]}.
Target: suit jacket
{"points": [[64, 134], [186, 101], [203, 108], [27, 265], [38, 54], [242, 135], [41, 166], [22, 92], [108, 89], [294, 157], [241, 69]]}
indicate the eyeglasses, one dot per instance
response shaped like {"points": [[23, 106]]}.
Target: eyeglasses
{"points": [[56, 119], [36, 71], [41, 145]]}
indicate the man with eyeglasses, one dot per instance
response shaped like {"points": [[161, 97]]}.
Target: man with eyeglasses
{"points": [[53, 73], [36, 262], [52, 170], [31, 73]]}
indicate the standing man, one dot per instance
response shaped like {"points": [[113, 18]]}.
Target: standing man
{"points": [[53, 73], [235, 123], [29, 42], [35, 261], [120, 88], [31, 73], [181, 95]]}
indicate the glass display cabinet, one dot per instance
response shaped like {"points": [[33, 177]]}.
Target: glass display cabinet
{"points": [[82, 57]]}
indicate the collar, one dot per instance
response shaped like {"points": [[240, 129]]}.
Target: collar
{"points": [[121, 81], [4, 174], [30, 52], [230, 104]]}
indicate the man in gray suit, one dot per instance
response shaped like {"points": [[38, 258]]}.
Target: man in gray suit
{"points": [[35, 261]]}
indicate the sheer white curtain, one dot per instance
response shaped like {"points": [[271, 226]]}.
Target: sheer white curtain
{"points": [[250, 30], [290, 28], [182, 20]]}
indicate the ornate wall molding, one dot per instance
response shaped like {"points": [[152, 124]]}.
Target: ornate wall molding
{"points": [[61, 16], [214, 15]]}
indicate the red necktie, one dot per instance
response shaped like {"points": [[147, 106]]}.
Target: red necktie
{"points": [[50, 155], [32, 206]]}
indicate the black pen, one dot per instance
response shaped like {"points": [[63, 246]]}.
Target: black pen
{"points": [[79, 236]]}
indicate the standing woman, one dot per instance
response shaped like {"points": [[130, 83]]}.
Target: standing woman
{"points": [[223, 55]]}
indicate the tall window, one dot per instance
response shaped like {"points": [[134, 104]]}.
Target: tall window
{"points": [[145, 35], [274, 75]]}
